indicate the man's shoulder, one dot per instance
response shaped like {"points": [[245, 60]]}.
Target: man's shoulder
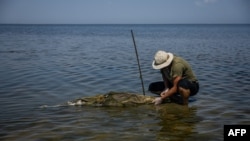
{"points": [[178, 59], [177, 66]]}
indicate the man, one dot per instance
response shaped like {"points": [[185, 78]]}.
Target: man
{"points": [[179, 79]]}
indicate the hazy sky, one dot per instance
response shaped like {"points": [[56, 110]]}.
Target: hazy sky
{"points": [[124, 11]]}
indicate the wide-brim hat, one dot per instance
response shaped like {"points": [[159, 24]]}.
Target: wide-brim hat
{"points": [[162, 59]]}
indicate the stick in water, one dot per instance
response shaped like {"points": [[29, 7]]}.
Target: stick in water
{"points": [[138, 63]]}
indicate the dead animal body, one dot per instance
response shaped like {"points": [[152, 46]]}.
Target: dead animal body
{"points": [[115, 99]]}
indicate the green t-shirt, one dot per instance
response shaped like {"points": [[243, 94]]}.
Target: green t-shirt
{"points": [[179, 67]]}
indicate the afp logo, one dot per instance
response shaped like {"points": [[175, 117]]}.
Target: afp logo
{"points": [[236, 132]]}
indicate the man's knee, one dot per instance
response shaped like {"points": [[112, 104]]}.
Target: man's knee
{"points": [[185, 93], [192, 86]]}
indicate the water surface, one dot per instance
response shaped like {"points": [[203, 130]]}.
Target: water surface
{"points": [[52, 64]]}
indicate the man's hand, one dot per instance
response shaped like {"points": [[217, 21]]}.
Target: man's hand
{"points": [[164, 92], [157, 101]]}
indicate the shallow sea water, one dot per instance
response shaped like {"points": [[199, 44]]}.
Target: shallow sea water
{"points": [[52, 64]]}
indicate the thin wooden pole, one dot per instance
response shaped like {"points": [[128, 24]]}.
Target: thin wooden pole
{"points": [[138, 62]]}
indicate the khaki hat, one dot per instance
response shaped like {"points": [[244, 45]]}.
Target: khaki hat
{"points": [[162, 59]]}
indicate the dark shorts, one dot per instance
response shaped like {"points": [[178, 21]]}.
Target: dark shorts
{"points": [[158, 87]]}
